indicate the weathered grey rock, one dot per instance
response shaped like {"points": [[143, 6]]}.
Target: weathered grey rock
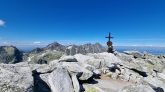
{"points": [[75, 82], [68, 59], [161, 75], [98, 60], [10, 55], [92, 88], [64, 74], [74, 67], [137, 88], [97, 63], [155, 82], [136, 54], [39, 84], [83, 58], [97, 72], [88, 67], [124, 57], [86, 60], [60, 81], [107, 59], [44, 57], [16, 78]]}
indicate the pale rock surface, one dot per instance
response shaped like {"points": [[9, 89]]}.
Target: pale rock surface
{"points": [[136, 54], [155, 82], [75, 82], [74, 67], [92, 88], [137, 88], [68, 59], [125, 74], [15, 78], [60, 81]]}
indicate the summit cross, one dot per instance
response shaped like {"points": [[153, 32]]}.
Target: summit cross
{"points": [[109, 37]]}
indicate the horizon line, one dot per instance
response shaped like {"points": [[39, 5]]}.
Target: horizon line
{"points": [[44, 45]]}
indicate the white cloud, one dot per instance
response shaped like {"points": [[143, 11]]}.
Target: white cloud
{"points": [[37, 42], [2, 22]]}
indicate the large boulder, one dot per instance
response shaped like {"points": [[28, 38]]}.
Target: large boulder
{"points": [[78, 69], [60, 81], [107, 59], [98, 60], [10, 55]]}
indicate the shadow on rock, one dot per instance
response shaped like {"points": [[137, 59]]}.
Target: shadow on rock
{"points": [[144, 74], [158, 89], [39, 84], [96, 76], [114, 68], [89, 81]]}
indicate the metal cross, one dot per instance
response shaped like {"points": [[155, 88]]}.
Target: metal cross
{"points": [[109, 37]]}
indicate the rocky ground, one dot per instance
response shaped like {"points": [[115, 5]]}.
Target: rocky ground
{"points": [[130, 71], [84, 68]]}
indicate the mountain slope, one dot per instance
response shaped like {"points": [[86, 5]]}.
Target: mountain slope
{"points": [[10, 54]]}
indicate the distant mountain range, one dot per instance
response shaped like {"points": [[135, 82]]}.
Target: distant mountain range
{"points": [[10, 54], [72, 49]]}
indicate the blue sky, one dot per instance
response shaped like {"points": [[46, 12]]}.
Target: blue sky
{"points": [[39, 22]]}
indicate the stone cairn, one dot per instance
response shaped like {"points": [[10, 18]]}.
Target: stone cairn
{"points": [[109, 44]]}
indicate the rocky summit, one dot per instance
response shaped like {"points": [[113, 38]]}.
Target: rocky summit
{"points": [[130, 71]]}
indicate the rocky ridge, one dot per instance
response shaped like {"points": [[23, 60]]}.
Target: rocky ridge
{"points": [[55, 51], [10, 54]]}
